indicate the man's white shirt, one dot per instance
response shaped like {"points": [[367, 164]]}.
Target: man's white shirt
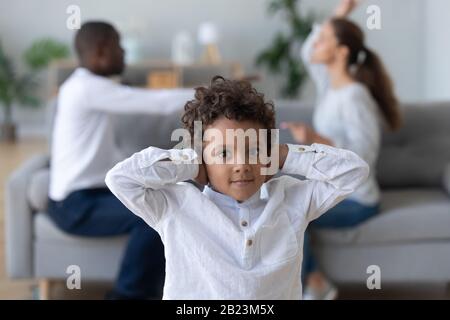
{"points": [[83, 143]]}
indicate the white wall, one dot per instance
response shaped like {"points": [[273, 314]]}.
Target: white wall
{"points": [[400, 45], [245, 28], [399, 42], [437, 43]]}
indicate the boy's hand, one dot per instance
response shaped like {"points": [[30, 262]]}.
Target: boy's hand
{"points": [[345, 7], [282, 153], [202, 177]]}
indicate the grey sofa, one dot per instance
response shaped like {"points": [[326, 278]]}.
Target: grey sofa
{"points": [[409, 240]]}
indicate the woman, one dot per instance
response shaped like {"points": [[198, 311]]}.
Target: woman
{"points": [[356, 99]]}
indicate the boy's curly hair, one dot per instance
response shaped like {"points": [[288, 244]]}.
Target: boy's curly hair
{"points": [[233, 99]]}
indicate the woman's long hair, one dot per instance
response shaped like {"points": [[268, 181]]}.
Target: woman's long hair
{"points": [[368, 69]]}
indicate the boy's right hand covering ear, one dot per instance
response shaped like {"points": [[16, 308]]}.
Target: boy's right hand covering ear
{"points": [[202, 177]]}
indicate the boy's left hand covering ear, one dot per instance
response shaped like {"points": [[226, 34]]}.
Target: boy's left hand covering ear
{"points": [[283, 151], [202, 177]]}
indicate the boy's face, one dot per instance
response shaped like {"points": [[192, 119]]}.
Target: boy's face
{"points": [[238, 176]]}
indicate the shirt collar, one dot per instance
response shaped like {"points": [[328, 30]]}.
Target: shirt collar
{"points": [[82, 70], [224, 200]]}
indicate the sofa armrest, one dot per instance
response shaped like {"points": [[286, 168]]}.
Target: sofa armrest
{"points": [[446, 180], [19, 218]]}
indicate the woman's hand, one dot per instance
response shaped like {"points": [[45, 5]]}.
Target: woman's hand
{"points": [[302, 133], [345, 7], [202, 177]]}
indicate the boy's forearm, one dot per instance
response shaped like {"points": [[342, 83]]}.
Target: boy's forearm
{"points": [[341, 168], [180, 164], [150, 168], [145, 182]]}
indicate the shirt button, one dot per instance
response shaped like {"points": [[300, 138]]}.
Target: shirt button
{"points": [[185, 157], [249, 242], [301, 149], [244, 223]]}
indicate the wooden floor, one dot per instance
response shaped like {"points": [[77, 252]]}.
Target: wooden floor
{"points": [[11, 157]]}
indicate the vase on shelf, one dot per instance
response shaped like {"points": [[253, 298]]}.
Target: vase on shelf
{"points": [[208, 37], [183, 49]]}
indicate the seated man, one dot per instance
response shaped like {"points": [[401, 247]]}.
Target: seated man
{"points": [[84, 149]]}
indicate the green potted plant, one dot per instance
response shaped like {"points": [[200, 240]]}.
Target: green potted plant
{"points": [[283, 55], [20, 89]]}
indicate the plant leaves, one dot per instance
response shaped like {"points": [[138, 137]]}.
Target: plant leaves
{"points": [[280, 57], [42, 52]]}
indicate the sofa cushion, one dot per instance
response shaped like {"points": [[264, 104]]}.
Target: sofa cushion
{"points": [[413, 157], [54, 250], [416, 155], [418, 162], [46, 230], [446, 179], [37, 192], [406, 216], [147, 130]]}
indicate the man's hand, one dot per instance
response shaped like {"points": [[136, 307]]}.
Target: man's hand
{"points": [[202, 177], [302, 133], [345, 7]]}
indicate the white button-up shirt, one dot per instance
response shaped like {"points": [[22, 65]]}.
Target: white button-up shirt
{"points": [[218, 248]]}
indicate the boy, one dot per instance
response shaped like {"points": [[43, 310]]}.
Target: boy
{"points": [[84, 149], [242, 237]]}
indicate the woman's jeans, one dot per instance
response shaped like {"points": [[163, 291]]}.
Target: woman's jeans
{"points": [[346, 214]]}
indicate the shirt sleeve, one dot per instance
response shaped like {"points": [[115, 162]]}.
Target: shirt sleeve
{"points": [[149, 182], [112, 97], [331, 173], [318, 72]]}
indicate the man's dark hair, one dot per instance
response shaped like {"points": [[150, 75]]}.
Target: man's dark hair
{"points": [[234, 99], [91, 35]]}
